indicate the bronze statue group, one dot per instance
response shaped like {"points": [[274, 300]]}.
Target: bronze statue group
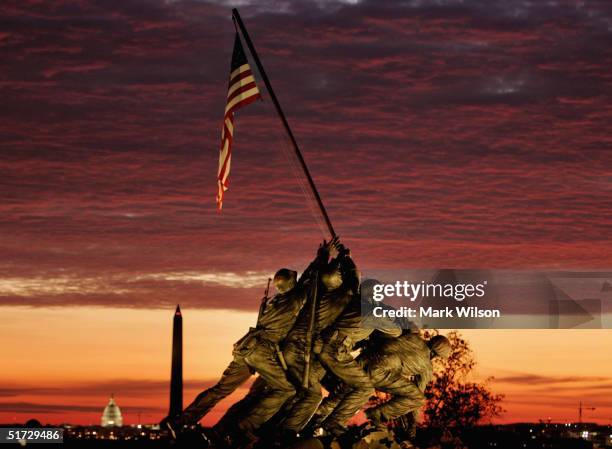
{"points": [[314, 332]]}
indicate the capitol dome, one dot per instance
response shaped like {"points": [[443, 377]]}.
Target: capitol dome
{"points": [[111, 417]]}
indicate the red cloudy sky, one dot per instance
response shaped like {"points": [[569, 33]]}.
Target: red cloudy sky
{"points": [[441, 134]]}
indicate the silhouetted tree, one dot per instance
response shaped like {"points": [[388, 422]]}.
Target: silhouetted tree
{"points": [[452, 400]]}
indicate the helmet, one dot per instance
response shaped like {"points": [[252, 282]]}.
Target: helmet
{"points": [[331, 277], [285, 280], [440, 346], [367, 291]]}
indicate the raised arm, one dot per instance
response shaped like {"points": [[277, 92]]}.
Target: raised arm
{"points": [[350, 274], [317, 264]]}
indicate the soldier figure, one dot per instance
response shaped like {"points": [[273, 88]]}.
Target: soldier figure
{"points": [[402, 368], [338, 281], [353, 326], [398, 366], [258, 350]]}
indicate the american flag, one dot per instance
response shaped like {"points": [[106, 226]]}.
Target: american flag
{"points": [[242, 90]]}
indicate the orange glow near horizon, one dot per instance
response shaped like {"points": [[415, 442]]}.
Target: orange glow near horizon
{"points": [[74, 358]]}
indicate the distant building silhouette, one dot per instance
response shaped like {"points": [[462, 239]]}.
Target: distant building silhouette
{"points": [[111, 417], [176, 377], [33, 423]]}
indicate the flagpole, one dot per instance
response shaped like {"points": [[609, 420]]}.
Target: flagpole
{"points": [[281, 114]]}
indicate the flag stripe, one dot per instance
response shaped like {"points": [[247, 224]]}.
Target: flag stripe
{"points": [[237, 101], [239, 70], [230, 126], [242, 82], [241, 75], [224, 156], [242, 91]]}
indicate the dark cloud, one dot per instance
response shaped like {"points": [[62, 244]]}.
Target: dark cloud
{"points": [[557, 392], [133, 295], [446, 133], [557, 402], [535, 379], [32, 407], [132, 388], [140, 395]]}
